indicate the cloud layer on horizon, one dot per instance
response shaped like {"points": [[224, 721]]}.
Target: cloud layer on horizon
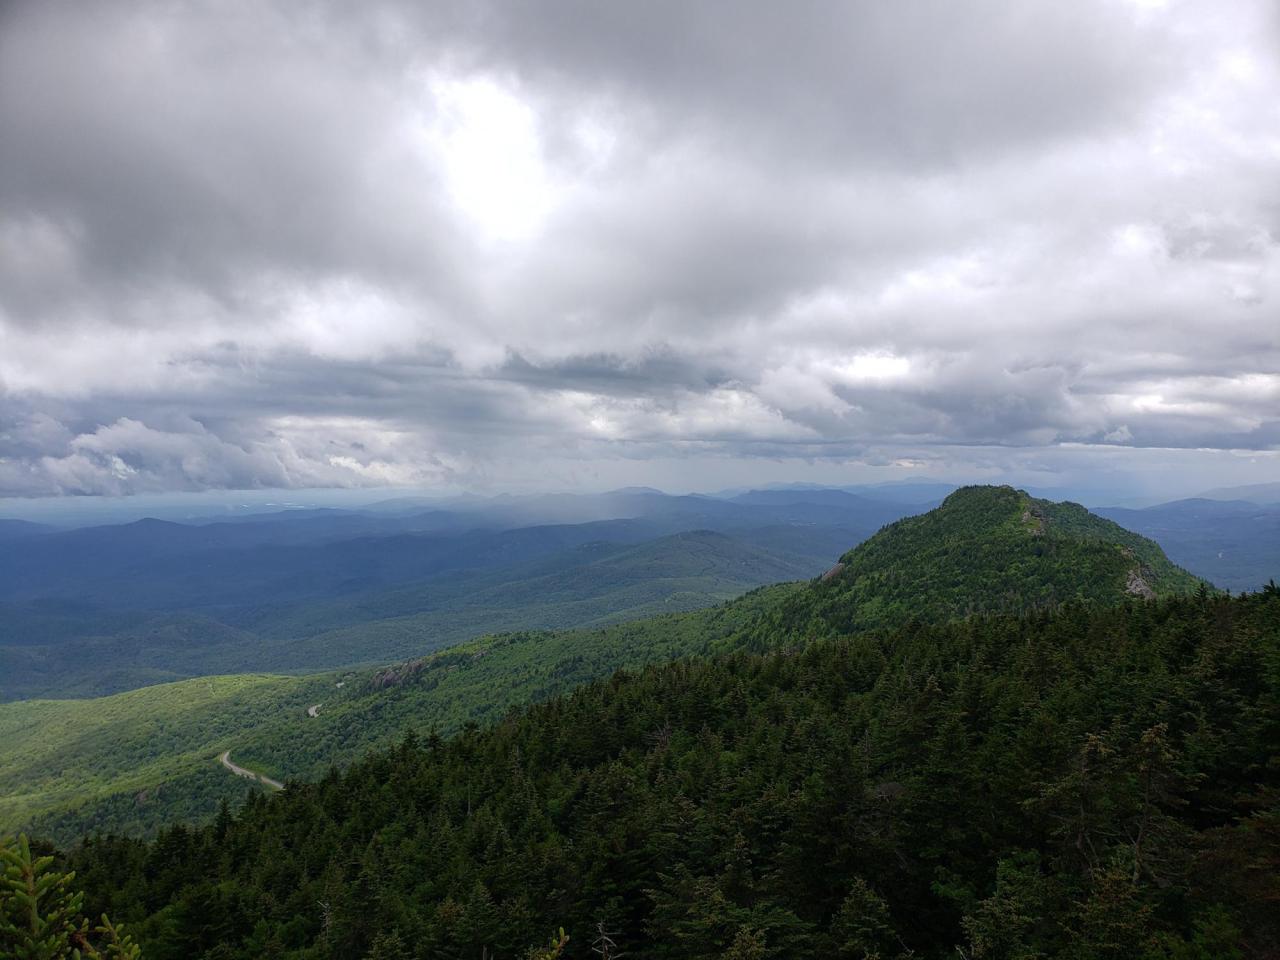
{"points": [[257, 245]]}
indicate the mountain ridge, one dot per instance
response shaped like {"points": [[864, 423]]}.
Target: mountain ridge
{"points": [[478, 681]]}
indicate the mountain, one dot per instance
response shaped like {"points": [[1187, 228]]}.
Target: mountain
{"points": [[946, 560], [225, 567], [1255, 493], [533, 578], [591, 585], [1091, 782], [642, 503], [114, 773], [1232, 543], [918, 491], [984, 549], [97, 610], [15, 530], [914, 492], [824, 497], [160, 565]]}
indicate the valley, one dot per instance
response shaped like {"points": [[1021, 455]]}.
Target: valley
{"points": [[985, 550], [492, 480], [948, 676], [100, 610]]}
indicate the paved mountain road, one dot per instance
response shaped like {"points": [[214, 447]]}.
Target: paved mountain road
{"points": [[239, 771]]}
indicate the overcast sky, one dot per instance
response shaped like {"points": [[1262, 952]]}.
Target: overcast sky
{"points": [[505, 246]]}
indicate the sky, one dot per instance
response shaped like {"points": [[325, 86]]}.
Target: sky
{"points": [[574, 245]]}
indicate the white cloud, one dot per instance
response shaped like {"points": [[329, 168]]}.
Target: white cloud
{"points": [[399, 244], [487, 143]]}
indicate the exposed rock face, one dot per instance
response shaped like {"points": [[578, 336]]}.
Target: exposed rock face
{"points": [[1138, 586], [833, 572], [394, 676], [444, 661]]}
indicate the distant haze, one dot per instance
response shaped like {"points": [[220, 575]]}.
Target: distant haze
{"points": [[507, 247]]}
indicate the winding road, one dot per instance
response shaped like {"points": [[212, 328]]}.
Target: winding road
{"points": [[239, 771]]}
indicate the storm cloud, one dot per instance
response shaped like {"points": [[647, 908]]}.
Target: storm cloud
{"points": [[503, 245]]}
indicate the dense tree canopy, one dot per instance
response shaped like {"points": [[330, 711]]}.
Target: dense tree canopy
{"points": [[1005, 729], [985, 549], [1094, 782]]}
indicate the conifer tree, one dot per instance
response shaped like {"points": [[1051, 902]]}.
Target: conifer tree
{"points": [[41, 914]]}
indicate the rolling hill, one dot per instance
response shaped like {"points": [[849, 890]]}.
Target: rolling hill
{"points": [[146, 750], [1089, 782], [60, 648], [985, 549], [99, 610]]}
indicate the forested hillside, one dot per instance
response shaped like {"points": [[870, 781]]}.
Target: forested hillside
{"points": [[983, 549], [1089, 782], [139, 759], [606, 480], [478, 683], [81, 766], [92, 612]]}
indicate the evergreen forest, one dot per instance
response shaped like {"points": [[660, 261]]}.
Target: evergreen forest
{"points": [[1087, 783], [1003, 729]]}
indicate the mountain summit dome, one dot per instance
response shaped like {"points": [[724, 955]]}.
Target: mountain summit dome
{"points": [[985, 549]]}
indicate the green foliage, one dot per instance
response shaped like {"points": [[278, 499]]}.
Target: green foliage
{"points": [[41, 914], [1005, 926], [1087, 782], [138, 759], [862, 928], [553, 949], [480, 682], [986, 549]]}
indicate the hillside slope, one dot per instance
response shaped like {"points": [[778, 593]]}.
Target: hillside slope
{"points": [[1233, 543], [1089, 783], [594, 585], [985, 549], [138, 758], [477, 683]]}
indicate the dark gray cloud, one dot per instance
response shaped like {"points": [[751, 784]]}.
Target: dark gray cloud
{"points": [[927, 83], [497, 244]]}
